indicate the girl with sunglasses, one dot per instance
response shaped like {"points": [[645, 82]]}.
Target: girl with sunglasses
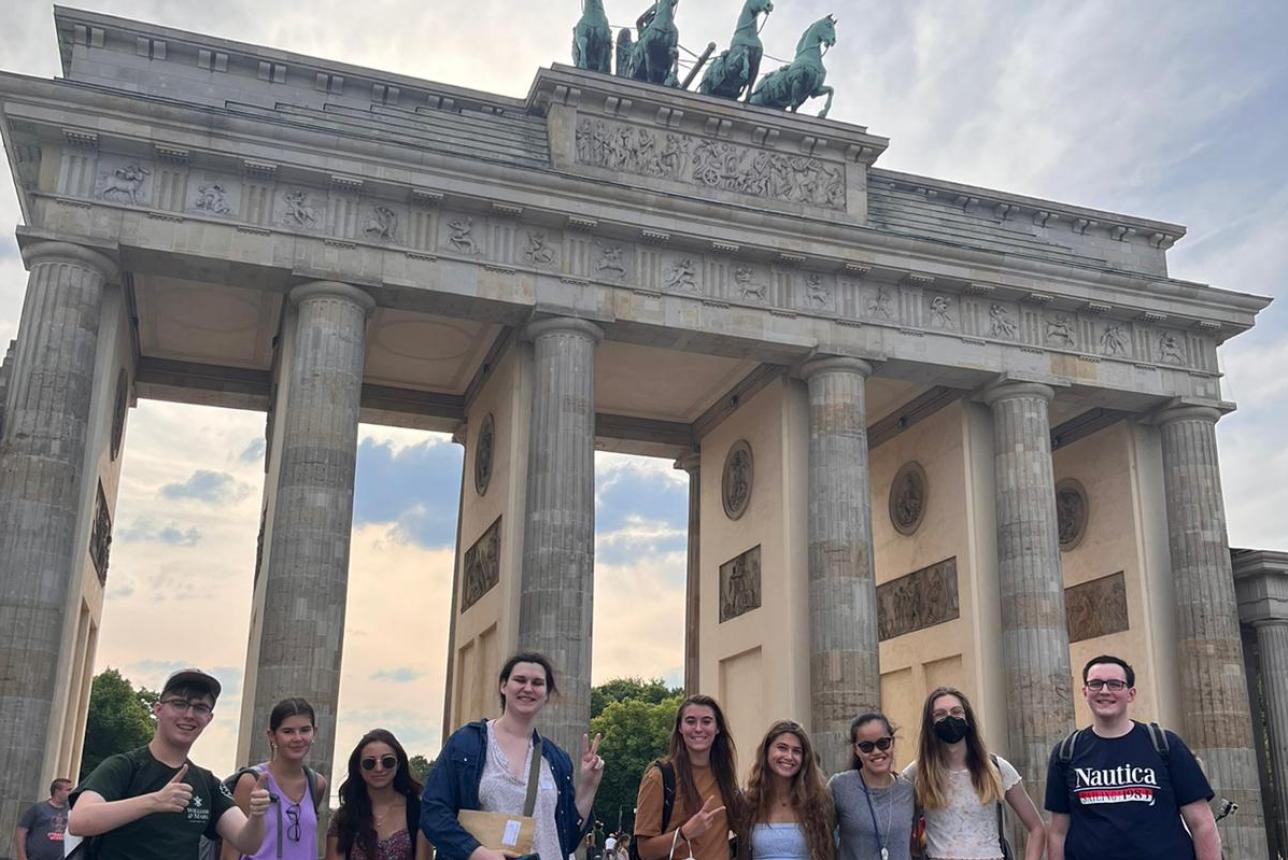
{"points": [[486, 766], [875, 804], [379, 805], [960, 787], [789, 811], [291, 824]]}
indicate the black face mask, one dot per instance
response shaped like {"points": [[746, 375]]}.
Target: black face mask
{"points": [[950, 729]]}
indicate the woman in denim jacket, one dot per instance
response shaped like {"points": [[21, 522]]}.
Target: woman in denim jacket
{"points": [[485, 766]]}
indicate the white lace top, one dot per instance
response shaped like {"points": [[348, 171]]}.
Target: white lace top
{"points": [[501, 791], [965, 829]]}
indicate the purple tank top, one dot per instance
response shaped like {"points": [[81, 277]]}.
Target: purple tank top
{"points": [[290, 825]]}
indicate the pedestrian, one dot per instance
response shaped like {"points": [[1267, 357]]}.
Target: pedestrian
{"points": [[486, 766], [379, 805], [875, 804], [700, 777], [960, 787], [1123, 790], [295, 791], [789, 809], [39, 834], [153, 803]]}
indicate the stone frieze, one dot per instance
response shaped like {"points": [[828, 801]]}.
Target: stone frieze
{"points": [[918, 600]]}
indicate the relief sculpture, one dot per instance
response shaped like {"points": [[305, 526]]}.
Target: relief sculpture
{"points": [[383, 223], [125, 183], [100, 540], [714, 164], [740, 585], [483, 455], [736, 481], [299, 210], [482, 566], [1096, 608], [1071, 512], [909, 493], [213, 198], [745, 278], [918, 600]]}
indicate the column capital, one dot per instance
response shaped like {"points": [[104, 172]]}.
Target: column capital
{"points": [[41, 252], [1009, 389], [333, 289], [836, 364], [1182, 410], [571, 325], [1269, 622], [460, 433], [690, 462]]}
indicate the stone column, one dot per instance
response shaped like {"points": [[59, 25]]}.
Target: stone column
{"points": [[1214, 691], [1272, 643], [459, 436], [845, 678], [557, 592], [692, 463], [42, 459], [308, 563], [1035, 635]]}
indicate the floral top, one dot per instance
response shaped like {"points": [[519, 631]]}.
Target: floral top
{"points": [[396, 846]]}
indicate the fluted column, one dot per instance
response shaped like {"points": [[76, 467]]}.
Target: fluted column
{"points": [[1209, 650], [845, 678], [557, 595], [1035, 635], [1272, 644], [692, 463], [308, 562], [42, 456]]}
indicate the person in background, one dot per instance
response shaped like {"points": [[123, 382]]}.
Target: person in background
{"points": [[960, 786], [788, 807], [39, 834], [875, 804], [379, 805]]}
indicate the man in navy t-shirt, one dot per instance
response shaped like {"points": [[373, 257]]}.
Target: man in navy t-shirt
{"points": [[1117, 797]]}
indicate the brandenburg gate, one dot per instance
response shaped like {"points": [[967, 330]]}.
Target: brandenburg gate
{"points": [[934, 433]]}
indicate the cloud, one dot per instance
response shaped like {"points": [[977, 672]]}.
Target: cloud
{"points": [[254, 451], [398, 675], [171, 535], [413, 489], [207, 486]]}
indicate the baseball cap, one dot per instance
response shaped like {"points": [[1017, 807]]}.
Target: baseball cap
{"points": [[192, 678]]}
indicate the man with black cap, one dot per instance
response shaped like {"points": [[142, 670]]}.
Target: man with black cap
{"points": [[152, 803]]}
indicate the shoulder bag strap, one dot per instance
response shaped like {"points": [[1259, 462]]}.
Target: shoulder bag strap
{"points": [[534, 776], [1001, 821]]}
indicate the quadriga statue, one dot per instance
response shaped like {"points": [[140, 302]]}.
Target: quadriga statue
{"points": [[592, 39], [654, 58], [735, 70], [790, 86]]}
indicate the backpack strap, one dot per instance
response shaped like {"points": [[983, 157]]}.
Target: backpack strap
{"points": [[255, 770], [311, 778], [1001, 821], [667, 770], [1158, 738], [1067, 746]]}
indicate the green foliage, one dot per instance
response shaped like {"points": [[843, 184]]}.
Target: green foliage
{"points": [[420, 768], [622, 689], [119, 719], [637, 731]]}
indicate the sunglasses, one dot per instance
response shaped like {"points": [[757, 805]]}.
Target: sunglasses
{"points": [[388, 762], [882, 744]]}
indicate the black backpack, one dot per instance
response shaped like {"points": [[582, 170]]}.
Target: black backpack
{"points": [[210, 848], [668, 803], [1157, 737], [87, 848]]}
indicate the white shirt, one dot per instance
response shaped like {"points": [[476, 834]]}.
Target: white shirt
{"points": [[965, 829]]}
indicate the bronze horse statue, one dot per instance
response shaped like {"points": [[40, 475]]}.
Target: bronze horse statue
{"points": [[654, 57], [592, 38], [790, 86], [736, 69]]}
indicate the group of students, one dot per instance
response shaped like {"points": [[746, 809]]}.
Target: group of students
{"points": [[1116, 790]]}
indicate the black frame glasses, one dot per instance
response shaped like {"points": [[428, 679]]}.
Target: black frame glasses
{"points": [[293, 829], [1114, 685], [882, 744], [388, 762]]}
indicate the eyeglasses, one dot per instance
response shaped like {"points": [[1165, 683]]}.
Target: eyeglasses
{"points": [[386, 762], [882, 744], [954, 712], [293, 829], [1114, 684], [181, 706]]}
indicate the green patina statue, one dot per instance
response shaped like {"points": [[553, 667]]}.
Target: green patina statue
{"points": [[790, 86], [592, 38], [735, 70], [654, 58]]}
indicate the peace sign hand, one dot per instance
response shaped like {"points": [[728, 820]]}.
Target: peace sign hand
{"points": [[702, 821], [592, 766]]}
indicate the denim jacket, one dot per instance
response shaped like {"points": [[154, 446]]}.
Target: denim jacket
{"points": [[453, 785]]}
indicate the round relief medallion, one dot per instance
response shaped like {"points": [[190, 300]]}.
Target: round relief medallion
{"points": [[1071, 511], [483, 455], [735, 483], [908, 496], [119, 409]]}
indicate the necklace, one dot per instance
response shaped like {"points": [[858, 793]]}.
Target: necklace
{"points": [[881, 840]]}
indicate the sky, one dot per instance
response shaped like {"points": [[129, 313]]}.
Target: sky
{"points": [[1174, 111]]}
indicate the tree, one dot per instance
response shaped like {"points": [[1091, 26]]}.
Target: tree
{"points": [[420, 768], [119, 719], [636, 732], [621, 689]]}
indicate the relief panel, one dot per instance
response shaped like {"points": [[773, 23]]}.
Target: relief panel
{"points": [[1096, 608], [740, 585], [918, 600], [481, 566]]}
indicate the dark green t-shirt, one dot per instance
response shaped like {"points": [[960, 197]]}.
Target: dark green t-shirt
{"points": [[161, 835]]}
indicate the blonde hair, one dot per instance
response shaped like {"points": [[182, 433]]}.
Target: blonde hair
{"points": [[932, 762]]}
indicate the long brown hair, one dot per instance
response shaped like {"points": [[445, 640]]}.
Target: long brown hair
{"points": [[808, 792], [932, 763], [724, 763]]}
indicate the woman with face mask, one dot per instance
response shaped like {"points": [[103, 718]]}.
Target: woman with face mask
{"points": [[960, 786], [874, 802]]}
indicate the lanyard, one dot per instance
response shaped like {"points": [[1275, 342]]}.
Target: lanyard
{"points": [[881, 843]]}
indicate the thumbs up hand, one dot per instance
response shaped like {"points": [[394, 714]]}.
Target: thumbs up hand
{"points": [[259, 797], [175, 795]]}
